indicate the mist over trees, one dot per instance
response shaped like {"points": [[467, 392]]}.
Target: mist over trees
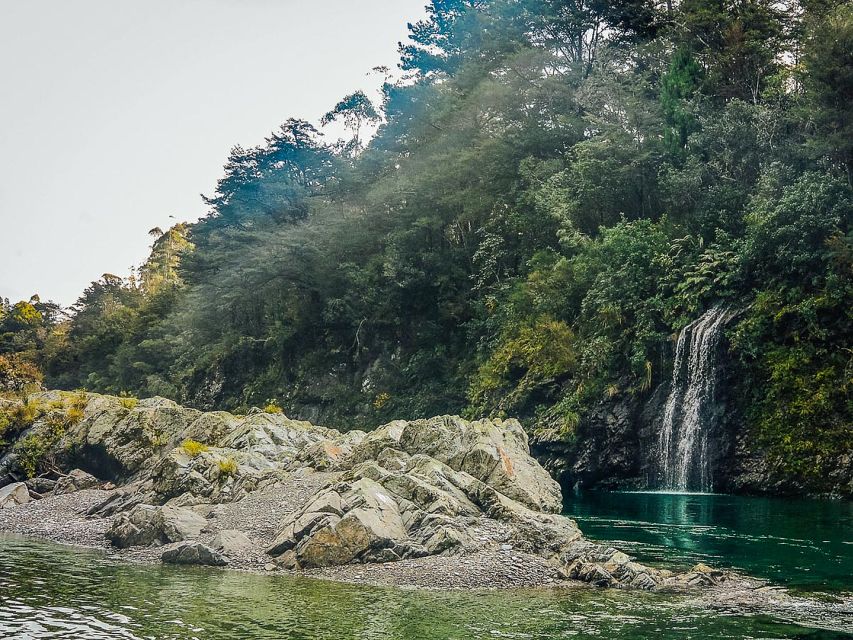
{"points": [[555, 188]]}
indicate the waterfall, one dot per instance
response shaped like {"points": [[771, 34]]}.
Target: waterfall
{"points": [[682, 457]]}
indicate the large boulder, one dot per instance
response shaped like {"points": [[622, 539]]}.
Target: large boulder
{"points": [[14, 494], [76, 480], [146, 525], [350, 522], [194, 553], [276, 437], [328, 454], [213, 475], [232, 542]]}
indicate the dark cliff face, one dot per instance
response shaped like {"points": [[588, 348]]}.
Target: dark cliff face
{"points": [[605, 453], [616, 446]]}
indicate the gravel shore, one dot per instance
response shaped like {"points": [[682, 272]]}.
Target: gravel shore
{"points": [[62, 519]]}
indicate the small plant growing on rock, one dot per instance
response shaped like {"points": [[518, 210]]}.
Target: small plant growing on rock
{"points": [[19, 417], [36, 448], [194, 448], [31, 450], [381, 400], [272, 407], [25, 414], [79, 400], [128, 401], [73, 415], [4, 425], [227, 467]]}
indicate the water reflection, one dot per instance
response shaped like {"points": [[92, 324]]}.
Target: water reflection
{"points": [[48, 591], [801, 543]]}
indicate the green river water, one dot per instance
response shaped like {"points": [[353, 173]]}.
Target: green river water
{"points": [[50, 591]]}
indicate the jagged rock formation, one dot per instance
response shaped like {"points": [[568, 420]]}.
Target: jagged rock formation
{"points": [[207, 487]]}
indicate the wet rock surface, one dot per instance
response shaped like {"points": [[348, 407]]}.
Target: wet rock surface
{"points": [[194, 553]]}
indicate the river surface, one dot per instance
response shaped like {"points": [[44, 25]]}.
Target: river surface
{"points": [[802, 544], [51, 591]]}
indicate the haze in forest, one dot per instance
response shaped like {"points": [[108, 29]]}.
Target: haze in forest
{"points": [[121, 114]]}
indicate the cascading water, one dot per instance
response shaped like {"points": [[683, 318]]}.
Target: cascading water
{"points": [[682, 459]]}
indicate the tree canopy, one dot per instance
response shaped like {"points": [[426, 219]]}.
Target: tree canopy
{"points": [[555, 188]]}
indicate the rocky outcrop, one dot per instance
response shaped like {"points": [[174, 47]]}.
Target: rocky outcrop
{"points": [[212, 487], [495, 452], [401, 506], [605, 451]]}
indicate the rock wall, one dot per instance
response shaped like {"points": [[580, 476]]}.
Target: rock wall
{"points": [[615, 445]]}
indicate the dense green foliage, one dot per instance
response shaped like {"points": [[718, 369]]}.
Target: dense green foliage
{"points": [[555, 188]]}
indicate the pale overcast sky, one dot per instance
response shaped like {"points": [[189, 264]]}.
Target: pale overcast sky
{"points": [[117, 114]]}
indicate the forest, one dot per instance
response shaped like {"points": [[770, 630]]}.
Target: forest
{"points": [[553, 190]]}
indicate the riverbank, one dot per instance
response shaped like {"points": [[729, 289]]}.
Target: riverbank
{"points": [[443, 503], [62, 519], [51, 591], [410, 503]]}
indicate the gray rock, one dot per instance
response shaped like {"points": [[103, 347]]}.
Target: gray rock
{"points": [[232, 542], [76, 480], [147, 525], [194, 553], [420, 506], [14, 494], [495, 452], [41, 485]]}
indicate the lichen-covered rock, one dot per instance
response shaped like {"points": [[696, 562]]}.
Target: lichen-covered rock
{"points": [[403, 506], [146, 525], [495, 452], [211, 476], [130, 438], [276, 437], [604, 566], [194, 553], [41, 485], [329, 454], [14, 494]]}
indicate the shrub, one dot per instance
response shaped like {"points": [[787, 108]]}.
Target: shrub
{"points": [[79, 400], [17, 375], [22, 416], [5, 423], [31, 450], [128, 402], [193, 448], [73, 415], [381, 400], [272, 407], [34, 448], [228, 467]]}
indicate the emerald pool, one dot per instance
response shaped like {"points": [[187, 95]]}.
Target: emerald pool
{"points": [[52, 591]]}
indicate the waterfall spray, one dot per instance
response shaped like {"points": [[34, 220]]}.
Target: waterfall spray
{"points": [[683, 461]]}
